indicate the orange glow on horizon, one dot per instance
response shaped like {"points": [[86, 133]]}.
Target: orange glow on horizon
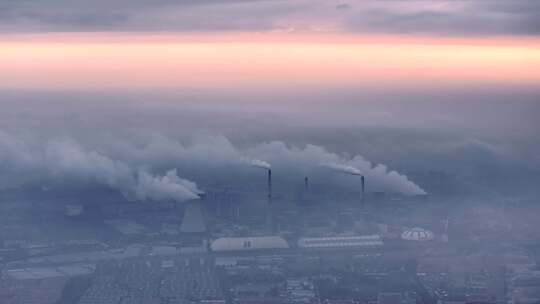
{"points": [[263, 60]]}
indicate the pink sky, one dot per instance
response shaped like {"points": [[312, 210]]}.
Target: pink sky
{"points": [[280, 60]]}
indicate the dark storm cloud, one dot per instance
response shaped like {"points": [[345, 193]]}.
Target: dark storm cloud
{"points": [[460, 18]]}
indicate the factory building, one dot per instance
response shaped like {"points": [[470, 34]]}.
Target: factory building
{"points": [[340, 242], [417, 234], [248, 243]]}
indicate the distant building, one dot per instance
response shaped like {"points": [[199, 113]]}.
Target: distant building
{"points": [[417, 234], [248, 243], [340, 242], [193, 229]]}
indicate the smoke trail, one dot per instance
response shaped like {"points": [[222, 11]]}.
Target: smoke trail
{"points": [[207, 150], [312, 156], [343, 168], [260, 164], [70, 159], [166, 187], [65, 159], [116, 170], [400, 181]]}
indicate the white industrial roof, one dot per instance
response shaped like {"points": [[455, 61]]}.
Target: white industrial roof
{"points": [[341, 241], [248, 243], [50, 272], [417, 234]]}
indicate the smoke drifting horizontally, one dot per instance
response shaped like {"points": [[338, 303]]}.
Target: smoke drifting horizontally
{"points": [[260, 164], [344, 169], [70, 159], [129, 168], [66, 159], [310, 157], [169, 186], [209, 150]]}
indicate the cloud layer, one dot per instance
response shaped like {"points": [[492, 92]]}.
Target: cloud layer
{"points": [[459, 18]]}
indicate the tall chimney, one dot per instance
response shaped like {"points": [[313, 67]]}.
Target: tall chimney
{"points": [[363, 179], [269, 183], [269, 211], [306, 183]]}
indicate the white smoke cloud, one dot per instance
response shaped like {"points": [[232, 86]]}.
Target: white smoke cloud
{"points": [[68, 159], [309, 156], [207, 150], [259, 164], [115, 168], [169, 186], [343, 168]]}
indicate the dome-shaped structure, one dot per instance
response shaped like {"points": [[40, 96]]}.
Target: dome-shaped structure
{"points": [[417, 234]]}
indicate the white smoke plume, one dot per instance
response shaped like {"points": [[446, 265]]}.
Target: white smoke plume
{"points": [[207, 150], [312, 156], [115, 166], [166, 187], [69, 160], [260, 164], [343, 168]]}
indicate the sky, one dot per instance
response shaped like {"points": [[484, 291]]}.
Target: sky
{"points": [[408, 85], [267, 44], [452, 18]]}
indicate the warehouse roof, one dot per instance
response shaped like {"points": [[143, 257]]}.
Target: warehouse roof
{"points": [[341, 241], [248, 243]]}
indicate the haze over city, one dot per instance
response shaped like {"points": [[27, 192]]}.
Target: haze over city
{"points": [[267, 151]]}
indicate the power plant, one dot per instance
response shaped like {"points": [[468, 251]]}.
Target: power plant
{"points": [[269, 152]]}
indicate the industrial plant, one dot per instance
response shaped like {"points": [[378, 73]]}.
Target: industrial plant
{"points": [[268, 243], [269, 152]]}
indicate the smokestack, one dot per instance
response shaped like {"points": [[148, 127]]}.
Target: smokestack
{"points": [[269, 184], [271, 227], [363, 179], [306, 183]]}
